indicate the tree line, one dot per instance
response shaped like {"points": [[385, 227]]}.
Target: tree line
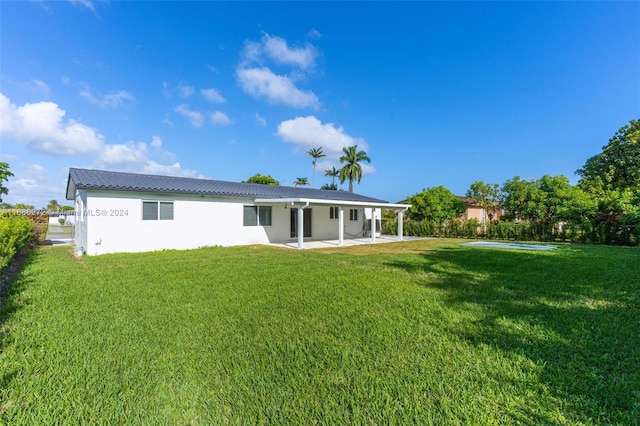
{"points": [[607, 195]]}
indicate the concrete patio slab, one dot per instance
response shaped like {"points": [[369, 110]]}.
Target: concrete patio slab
{"points": [[317, 244]]}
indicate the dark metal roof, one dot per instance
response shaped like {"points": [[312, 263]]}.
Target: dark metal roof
{"points": [[132, 182]]}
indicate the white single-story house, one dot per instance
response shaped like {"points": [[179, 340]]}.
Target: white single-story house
{"points": [[125, 212]]}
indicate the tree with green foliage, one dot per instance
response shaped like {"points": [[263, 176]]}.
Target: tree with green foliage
{"points": [[316, 154], [263, 180], [301, 181], [617, 167], [333, 173], [329, 187], [518, 197], [486, 196], [23, 206], [550, 199], [436, 204], [352, 170], [5, 174], [53, 205], [613, 176], [615, 202]]}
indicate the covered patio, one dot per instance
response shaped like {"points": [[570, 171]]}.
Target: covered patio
{"points": [[300, 204]]}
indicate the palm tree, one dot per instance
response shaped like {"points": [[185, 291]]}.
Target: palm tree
{"points": [[301, 181], [352, 170], [315, 153], [333, 173], [53, 205]]}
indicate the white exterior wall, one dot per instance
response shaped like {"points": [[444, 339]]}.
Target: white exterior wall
{"points": [[80, 229], [114, 224], [111, 222], [354, 229], [325, 228]]}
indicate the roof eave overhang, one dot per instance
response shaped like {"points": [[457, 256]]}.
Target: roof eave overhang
{"points": [[294, 201], [71, 189]]}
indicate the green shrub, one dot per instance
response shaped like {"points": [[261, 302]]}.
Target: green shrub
{"points": [[39, 219], [15, 233], [619, 232]]}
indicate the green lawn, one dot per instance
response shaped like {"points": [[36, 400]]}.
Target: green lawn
{"points": [[426, 332]]}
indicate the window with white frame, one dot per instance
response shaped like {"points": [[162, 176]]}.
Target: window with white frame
{"points": [[353, 215], [157, 210], [257, 216], [333, 212]]}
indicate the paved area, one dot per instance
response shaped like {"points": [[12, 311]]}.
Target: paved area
{"points": [[58, 235], [520, 246], [316, 244]]}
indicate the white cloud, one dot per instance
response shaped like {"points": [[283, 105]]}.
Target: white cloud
{"points": [[141, 157], [185, 90], [112, 99], [313, 33], [41, 128], [181, 90], [34, 86], [278, 50], [213, 95], [309, 132], [174, 169], [367, 169], [86, 3], [196, 118], [263, 83], [32, 185], [261, 121], [219, 118], [156, 142], [122, 155], [40, 87], [30, 178], [258, 80]]}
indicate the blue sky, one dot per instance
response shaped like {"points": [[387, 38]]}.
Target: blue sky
{"points": [[436, 93]]}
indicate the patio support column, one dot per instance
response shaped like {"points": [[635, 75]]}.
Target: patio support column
{"points": [[373, 224], [340, 226], [400, 231], [300, 227]]}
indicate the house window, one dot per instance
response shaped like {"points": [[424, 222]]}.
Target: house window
{"points": [[333, 212], [257, 216], [154, 210], [353, 214]]}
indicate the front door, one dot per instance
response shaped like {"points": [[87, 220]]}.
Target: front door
{"points": [[294, 222]]}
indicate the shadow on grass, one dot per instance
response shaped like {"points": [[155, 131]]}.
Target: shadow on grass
{"points": [[12, 300], [574, 311]]}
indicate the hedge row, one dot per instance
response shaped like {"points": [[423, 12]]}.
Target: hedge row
{"points": [[584, 232], [15, 233], [38, 218]]}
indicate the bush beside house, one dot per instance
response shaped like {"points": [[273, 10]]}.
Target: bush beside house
{"points": [[18, 230]]}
